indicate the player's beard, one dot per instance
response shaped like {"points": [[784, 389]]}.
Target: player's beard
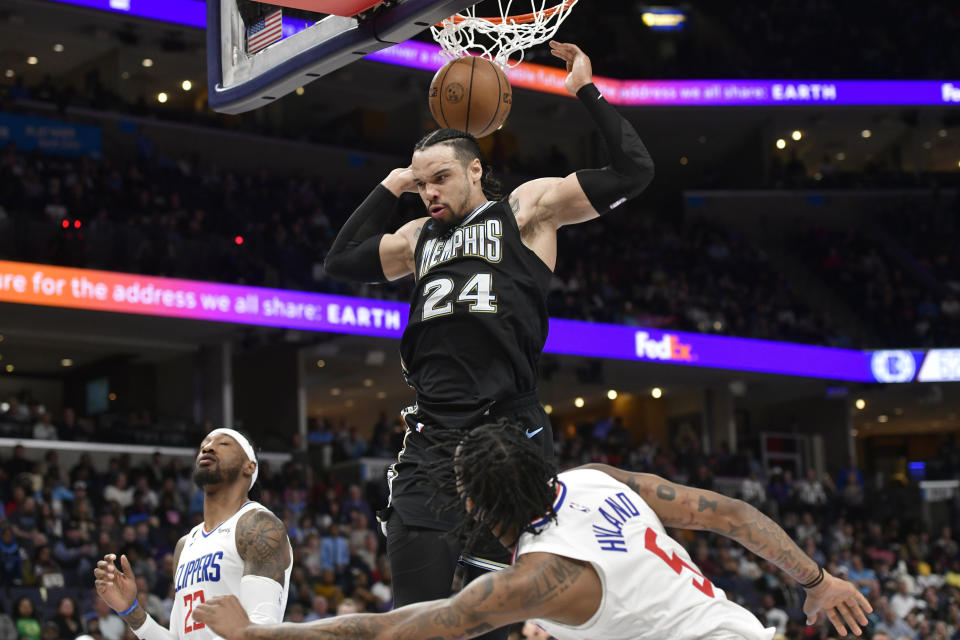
{"points": [[203, 476]]}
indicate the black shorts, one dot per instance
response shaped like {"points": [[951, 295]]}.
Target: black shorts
{"points": [[410, 487]]}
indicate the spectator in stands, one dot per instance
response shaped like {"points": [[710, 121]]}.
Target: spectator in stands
{"points": [[356, 502], [26, 620], [8, 631], [773, 615], [67, 618], [110, 624], [11, 558], [44, 428], [151, 602], [319, 610], [863, 577], [810, 492], [334, 551], [903, 602], [118, 491], [46, 572], [890, 624]]}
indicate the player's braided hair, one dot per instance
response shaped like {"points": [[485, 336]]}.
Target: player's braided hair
{"points": [[467, 148], [503, 472]]}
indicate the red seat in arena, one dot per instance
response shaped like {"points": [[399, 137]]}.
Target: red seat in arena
{"points": [[335, 7]]}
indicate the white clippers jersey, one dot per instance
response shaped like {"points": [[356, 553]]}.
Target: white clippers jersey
{"points": [[209, 566], [651, 588]]}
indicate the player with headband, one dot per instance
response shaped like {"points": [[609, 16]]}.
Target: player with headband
{"points": [[240, 549]]}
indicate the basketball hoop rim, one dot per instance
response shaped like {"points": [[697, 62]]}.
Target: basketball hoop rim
{"points": [[524, 18]]}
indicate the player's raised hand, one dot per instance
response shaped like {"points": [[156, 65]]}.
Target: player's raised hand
{"points": [[225, 615], [117, 588], [579, 69], [400, 181], [840, 601]]}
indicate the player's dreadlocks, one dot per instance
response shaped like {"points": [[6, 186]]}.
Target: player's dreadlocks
{"points": [[467, 148], [503, 472]]}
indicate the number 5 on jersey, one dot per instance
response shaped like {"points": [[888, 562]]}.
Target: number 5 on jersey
{"points": [[478, 292], [189, 600]]}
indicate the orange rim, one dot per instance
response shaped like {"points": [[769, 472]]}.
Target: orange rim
{"points": [[520, 19]]}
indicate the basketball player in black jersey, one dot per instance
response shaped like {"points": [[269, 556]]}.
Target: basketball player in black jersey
{"points": [[478, 315]]}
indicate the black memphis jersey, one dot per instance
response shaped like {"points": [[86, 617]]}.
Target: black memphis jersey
{"points": [[478, 316]]}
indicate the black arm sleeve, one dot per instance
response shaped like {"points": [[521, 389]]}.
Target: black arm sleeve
{"points": [[631, 167], [355, 254]]}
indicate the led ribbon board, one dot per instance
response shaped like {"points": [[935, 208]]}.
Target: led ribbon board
{"points": [[36, 284], [667, 93]]}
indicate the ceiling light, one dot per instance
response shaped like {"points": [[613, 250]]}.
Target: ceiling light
{"points": [[186, 85], [866, 133], [112, 397], [162, 97], [841, 156], [861, 404], [8, 73], [578, 402], [781, 143], [656, 392], [9, 368], [321, 364], [4, 407], [368, 382], [683, 160], [66, 362], [797, 134], [32, 60], [335, 391], [942, 133], [548, 409], [300, 91], [882, 418], [58, 48], [381, 394], [612, 394], [147, 62], [125, 75]]}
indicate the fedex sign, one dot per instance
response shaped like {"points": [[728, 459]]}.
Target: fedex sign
{"points": [[668, 348]]}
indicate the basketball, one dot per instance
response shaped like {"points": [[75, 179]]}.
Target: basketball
{"points": [[471, 94]]}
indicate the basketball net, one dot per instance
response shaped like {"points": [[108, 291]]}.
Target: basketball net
{"points": [[499, 38]]}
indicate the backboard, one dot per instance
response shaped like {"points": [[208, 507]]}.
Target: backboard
{"points": [[255, 56]]}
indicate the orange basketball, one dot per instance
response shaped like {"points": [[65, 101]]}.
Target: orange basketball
{"points": [[470, 94]]}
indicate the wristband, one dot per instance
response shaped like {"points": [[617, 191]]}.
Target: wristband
{"points": [[136, 601], [816, 581]]}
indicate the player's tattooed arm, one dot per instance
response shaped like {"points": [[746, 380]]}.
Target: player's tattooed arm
{"points": [[689, 508], [263, 545], [535, 586]]}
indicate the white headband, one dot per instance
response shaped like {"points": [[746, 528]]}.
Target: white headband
{"points": [[244, 444]]}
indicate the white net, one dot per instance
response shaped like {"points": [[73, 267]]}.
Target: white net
{"points": [[499, 38]]}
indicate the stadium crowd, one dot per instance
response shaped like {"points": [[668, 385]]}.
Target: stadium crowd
{"points": [[55, 522], [639, 267]]}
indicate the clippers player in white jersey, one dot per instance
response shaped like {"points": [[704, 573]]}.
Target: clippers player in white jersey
{"points": [[592, 558], [240, 549]]}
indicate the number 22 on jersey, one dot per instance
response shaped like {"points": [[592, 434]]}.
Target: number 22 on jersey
{"points": [[478, 293], [189, 601]]}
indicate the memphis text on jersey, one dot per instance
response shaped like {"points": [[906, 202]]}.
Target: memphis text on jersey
{"points": [[481, 240], [203, 569]]}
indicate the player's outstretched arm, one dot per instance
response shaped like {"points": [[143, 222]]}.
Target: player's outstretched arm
{"points": [[587, 193], [263, 545], [363, 251], [685, 507], [534, 587]]}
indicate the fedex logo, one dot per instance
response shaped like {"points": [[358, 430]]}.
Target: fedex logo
{"points": [[668, 347]]}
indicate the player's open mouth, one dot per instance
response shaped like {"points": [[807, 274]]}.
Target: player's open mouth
{"points": [[437, 210]]}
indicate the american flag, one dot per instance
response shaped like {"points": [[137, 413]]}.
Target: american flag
{"points": [[266, 31]]}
